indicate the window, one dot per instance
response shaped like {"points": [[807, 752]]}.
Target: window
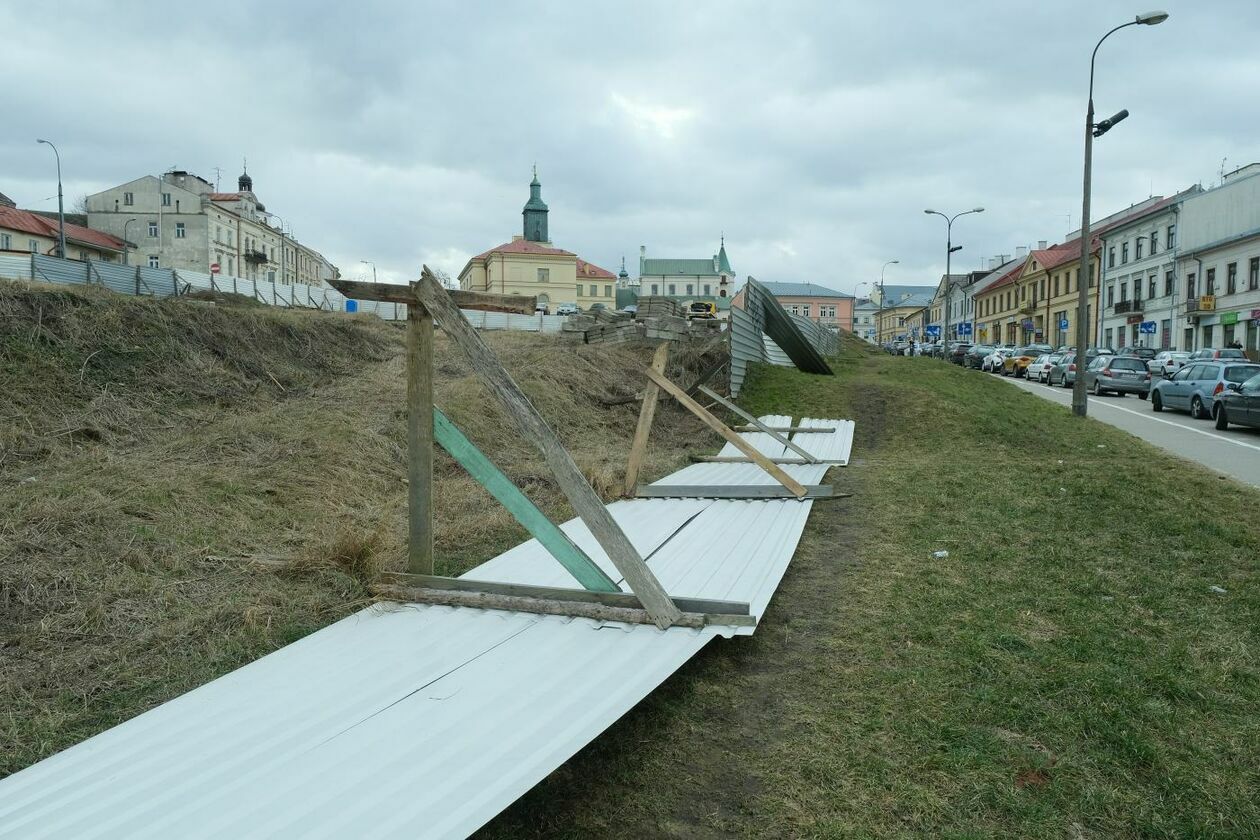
{"points": [[166, 199], [1165, 332], [1107, 337], [1124, 252], [179, 230], [1091, 276], [1207, 342], [544, 275], [6, 241], [805, 309], [826, 312], [1209, 282], [1154, 242], [271, 277], [579, 290], [1190, 285], [1231, 278], [1124, 291], [673, 290], [1253, 274], [594, 290], [1150, 287], [690, 287], [1137, 289], [153, 230], [608, 291], [153, 261], [1111, 297], [1056, 285], [1137, 248], [708, 289], [1170, 240], [33, 244], [129, 199], [1111, 257], [655, 289], [1168, 282]]}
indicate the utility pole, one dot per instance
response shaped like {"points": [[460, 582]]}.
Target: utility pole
{"points": [[61, 212]]}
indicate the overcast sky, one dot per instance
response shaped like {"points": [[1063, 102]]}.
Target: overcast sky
{"points": [[812, 134]]}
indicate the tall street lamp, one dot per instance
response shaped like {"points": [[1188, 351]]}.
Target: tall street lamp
{"points": [[879, 316], [61, 213], [126, 241], [369, 262], [1079, 400], [950, 248]]}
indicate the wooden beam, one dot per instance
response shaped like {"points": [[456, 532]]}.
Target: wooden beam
{"points": [[733, 491], [739, 459], [419, 440], [639, 448], [395, 293], [708, 374], [527, 420], [554, 593], [514, 603], [735, 440], [557, 542], [761, 427], [786, 429]]}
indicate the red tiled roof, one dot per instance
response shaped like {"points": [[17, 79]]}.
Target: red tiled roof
{"points": [[585, 269], [225, 196], [524, 246], [13, 219]]}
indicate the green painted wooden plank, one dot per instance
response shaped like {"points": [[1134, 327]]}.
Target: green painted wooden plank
{"points": [[489, 476]]}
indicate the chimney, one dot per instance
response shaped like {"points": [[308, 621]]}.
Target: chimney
{"points": [[1021, 251], [642, 258], [1041, 244]]}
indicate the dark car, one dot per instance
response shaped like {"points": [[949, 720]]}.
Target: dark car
{"points": [[958, 351], [975, 355], [1239, 404], [1118, 374], [1217, 353], [1143, 353]]}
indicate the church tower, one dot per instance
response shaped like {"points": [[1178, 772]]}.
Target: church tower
{"points": [[535, 213]]}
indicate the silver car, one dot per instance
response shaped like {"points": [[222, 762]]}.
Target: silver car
{"points": [[1167, 362], [1119, 375], [1194, 386]]}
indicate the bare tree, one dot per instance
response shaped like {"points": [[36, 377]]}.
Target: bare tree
{"points": [[80, 205]]}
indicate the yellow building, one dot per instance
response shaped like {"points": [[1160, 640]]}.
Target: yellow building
{"points": [[531, 265], [895, 322], [1031, 303], [996, 308]]}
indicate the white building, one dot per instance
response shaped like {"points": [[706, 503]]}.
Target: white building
{"points": [[1140, 304], [864, 319], [177, 220], [1219, 256]]}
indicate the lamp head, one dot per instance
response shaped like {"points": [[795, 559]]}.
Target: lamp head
{"points": [[1152, 18], [978, 210], [894, 262], [1109, 123]]}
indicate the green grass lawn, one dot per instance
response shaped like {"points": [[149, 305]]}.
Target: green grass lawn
{"points": [[1067, 670]]}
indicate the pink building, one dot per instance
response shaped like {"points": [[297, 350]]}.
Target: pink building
{"points": [[817, 303]]}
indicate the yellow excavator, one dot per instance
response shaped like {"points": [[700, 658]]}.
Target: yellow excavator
{"points": [[701, 309]]}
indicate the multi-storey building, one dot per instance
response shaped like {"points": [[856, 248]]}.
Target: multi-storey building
{"points": [[865, 315], [177, 220], [35, 233], [824, 306], [706, 278], [1218, 255]]}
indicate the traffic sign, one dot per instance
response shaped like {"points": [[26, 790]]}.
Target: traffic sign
{"points": [[1063, 324], [214, 268], [933, 330], [1147, 327], [964, 328]]}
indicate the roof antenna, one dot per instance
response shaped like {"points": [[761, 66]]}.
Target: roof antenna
{"points": [[1223, 169], [217, 174]]}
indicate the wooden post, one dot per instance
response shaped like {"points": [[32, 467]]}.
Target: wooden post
{"points": [[761, 427], [557, 542], [735, 440], [639, 448], [531, 425], [419, 441]]}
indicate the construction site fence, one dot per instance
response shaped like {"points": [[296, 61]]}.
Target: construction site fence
{"points": [[166, 282], [750, 343]]}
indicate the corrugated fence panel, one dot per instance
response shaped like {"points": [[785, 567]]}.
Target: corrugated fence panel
{"points": [[15, 267], [746, 346], [118, 278], [53, 270], [156, 281]]}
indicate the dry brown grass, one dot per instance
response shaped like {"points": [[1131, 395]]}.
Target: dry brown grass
{"points": [[187, 486]]}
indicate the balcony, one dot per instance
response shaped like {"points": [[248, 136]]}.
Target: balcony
{"points": [[1206, 303], [1028, 309], [1123, 306], [253, 255]]}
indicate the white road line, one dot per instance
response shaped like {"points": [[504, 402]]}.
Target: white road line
{"points": [[1146, 416]]}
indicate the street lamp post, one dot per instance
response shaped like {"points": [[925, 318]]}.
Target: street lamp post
{"points": [[369, 262], [1079, 400], [879, 316], [949, 251], [126, 241], [61, 212]]}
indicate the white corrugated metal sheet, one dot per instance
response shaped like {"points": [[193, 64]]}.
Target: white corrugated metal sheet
{"points": [[834, 447], [413, 721]]}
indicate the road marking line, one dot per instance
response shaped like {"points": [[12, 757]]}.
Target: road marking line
{"points": [[1146, 416]]}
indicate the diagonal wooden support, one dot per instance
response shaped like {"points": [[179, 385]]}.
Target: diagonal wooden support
{"points": [[397, 293], [735, 440], [557, 542], [761, 427], [526, 418], [419, 441], [639, 448]]}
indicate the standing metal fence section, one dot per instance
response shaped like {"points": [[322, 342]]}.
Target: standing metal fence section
{"points": [[763, 324]]}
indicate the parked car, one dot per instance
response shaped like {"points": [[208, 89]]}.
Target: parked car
{"points": [[1041, 367], [567, 309], [1239, 404], [958, 351], [1064, 371], [1118, 374], [1167, 362], [975, 355], [1143, 353], [1217, 353], [1195, 386], [541, 309], [993, 362], [1018, 362]]}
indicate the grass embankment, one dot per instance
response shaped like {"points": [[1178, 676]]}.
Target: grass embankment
{"points": [[1067, 671], [185, 487]]}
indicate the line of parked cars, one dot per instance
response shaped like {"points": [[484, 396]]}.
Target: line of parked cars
{"points": [[1213, 383]]}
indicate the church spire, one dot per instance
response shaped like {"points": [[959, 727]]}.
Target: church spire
{"points": [[534, 216]]}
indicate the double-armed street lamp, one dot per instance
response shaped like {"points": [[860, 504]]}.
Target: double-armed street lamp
{"points": [[369, 262], [61, 212], [950, 248], [1083, 278]]}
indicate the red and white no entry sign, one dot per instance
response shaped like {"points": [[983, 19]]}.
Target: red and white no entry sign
{"points": [[214, 268]]}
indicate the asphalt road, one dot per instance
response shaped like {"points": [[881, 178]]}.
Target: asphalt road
{"points": [[1235, 452]]}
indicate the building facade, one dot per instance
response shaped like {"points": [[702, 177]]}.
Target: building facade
{"points": [[825, 307], [865, 314], [32, 233], [177, 220], [532, 265], [1218, 255], [687, 278]]}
